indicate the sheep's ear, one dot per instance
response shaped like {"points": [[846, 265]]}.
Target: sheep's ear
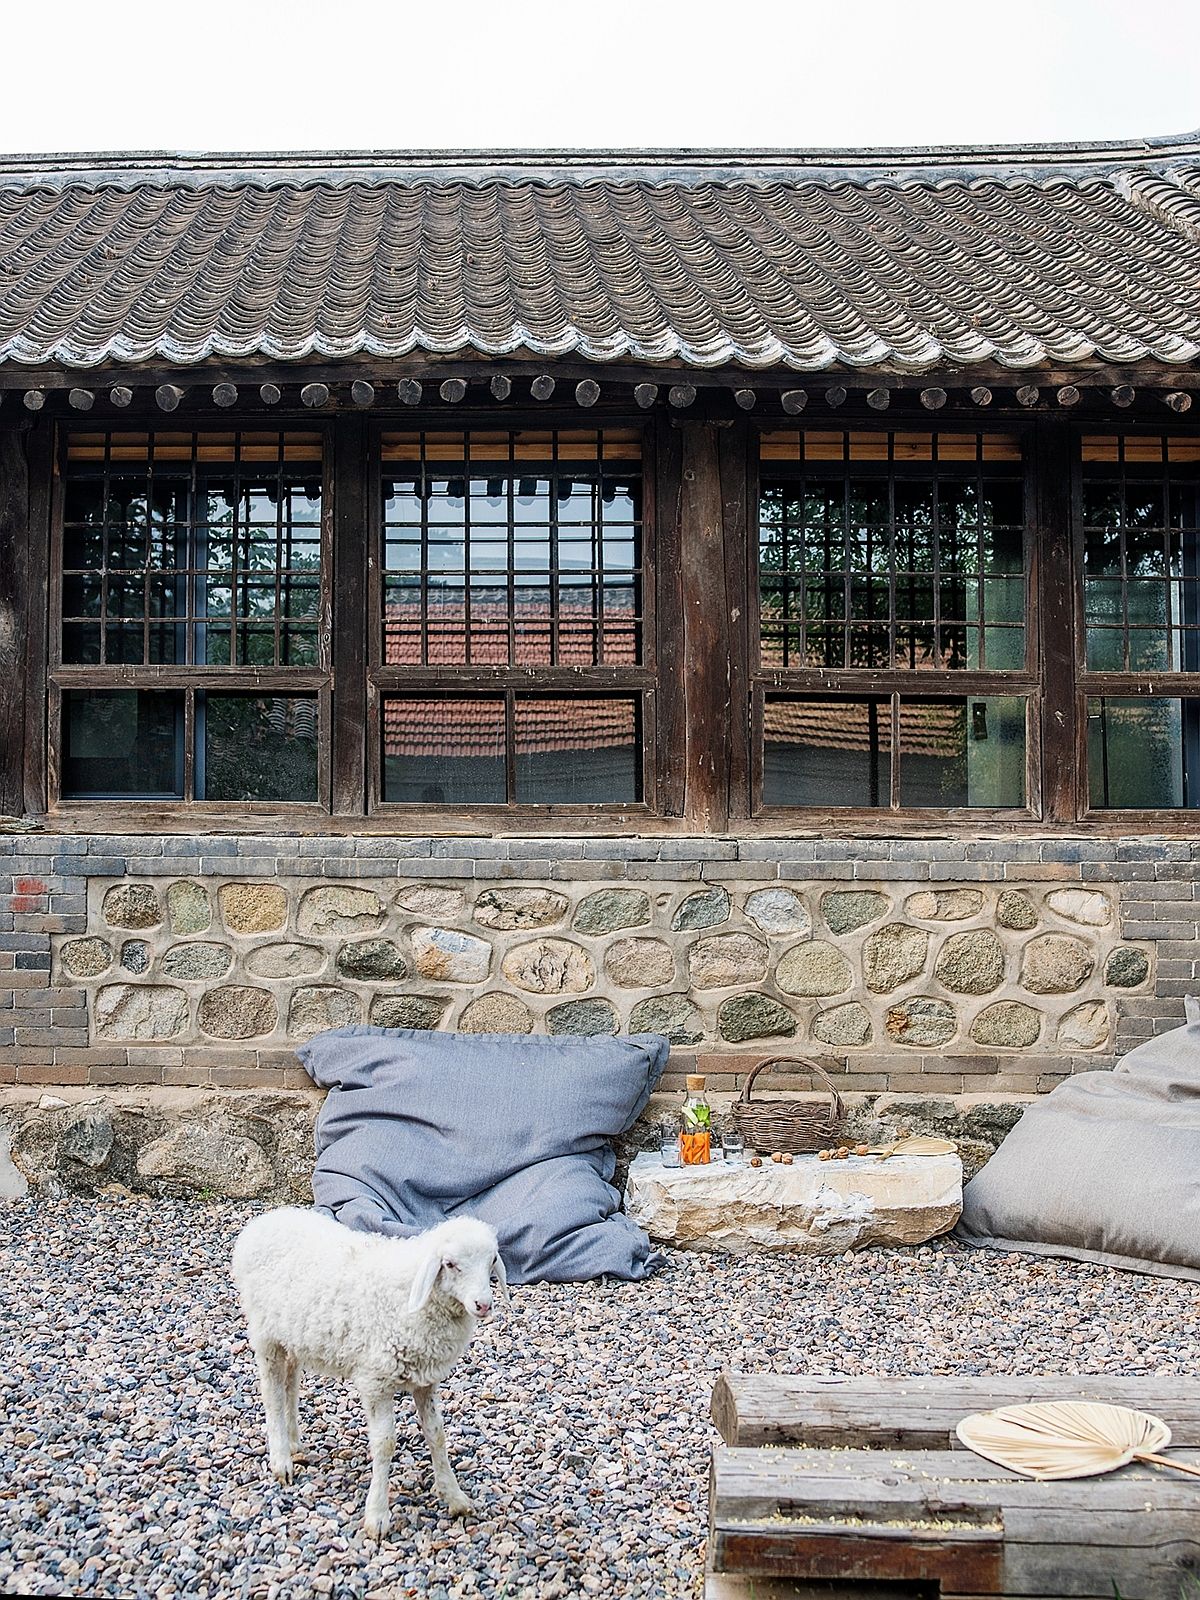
{"points": [[422, 1287], [502, 1279]]}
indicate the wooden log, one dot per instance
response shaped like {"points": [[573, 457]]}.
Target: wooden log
{"points": [[918, 1413], [704, 591], [81, 399], [453, 390], [1068, 395], [35, 399], [409, 391], [1179, 400], [879, 399], [933, 399], [168, 395], [1027, 395], [587, 392], [1124, 395], [745, 398], [500, 386], [314, 394], [362, 392], [120, 395], [542, 387], [270, 394], [952, 1521], [836, 396], [225, 395], [681, 395], [794, 401], [981, 395], [645, 394]]}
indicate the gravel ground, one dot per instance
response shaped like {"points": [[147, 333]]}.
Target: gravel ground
{"points": [[131, 1454]]}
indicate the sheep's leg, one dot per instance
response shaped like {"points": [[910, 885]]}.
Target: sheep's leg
{"points": [[381, 1429], [430, 1417], [291, 1383], [272, 1366]]}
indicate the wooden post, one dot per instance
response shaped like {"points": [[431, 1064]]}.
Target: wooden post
{"points": [[707, 654], [1055, 587], [353, 487], [14, 616]]}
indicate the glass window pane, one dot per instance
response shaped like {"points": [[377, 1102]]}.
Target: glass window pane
{"points": [[1143, 753], [122, 743], [572, 751], [443, 751], [968, 752], [256, 747], [826, 752]]}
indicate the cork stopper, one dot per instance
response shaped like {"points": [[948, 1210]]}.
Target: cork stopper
{"points": [[695, 1080]]}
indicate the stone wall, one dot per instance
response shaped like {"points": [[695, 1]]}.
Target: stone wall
{"points": [[937, 966]]}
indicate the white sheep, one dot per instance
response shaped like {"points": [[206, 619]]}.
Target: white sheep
{"points": [[386, 1314]]}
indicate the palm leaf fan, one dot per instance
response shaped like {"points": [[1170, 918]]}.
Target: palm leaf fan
{"points": [[1068, 1438], [917, 1144]]}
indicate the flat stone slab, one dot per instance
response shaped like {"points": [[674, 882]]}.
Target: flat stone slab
{"points": [[812, 1207]]}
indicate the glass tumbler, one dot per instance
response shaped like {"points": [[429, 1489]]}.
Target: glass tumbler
{"points": [[733, 1147]]}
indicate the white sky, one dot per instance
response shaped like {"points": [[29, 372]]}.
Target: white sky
{"points": [[392, 74]]}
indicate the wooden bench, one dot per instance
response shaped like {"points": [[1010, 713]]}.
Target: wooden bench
{"points": [[851, 1487]]}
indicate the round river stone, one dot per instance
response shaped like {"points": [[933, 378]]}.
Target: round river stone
{"points": [[813, 968], [971, 963], [639, 963], [339, 908], [372, 959], [237, 1012], [1124, 969], [496, 1012], [847, 909], [778, 911], [252, 907], [446, 956], [920, 1021], [893, 955], [1009, 1024], [319, 1006], [407, 1011], [845, 1025], [549, 966], [754, 1016], [1087, 906], [725, 959], [188, 908], [582, 1017], [193, 961], [606, 910], [1016, 910], [1086, 1026], [944, 905], [430, 900], [704, 909], [285, 961], [1056, 964], [140, 1011], [132, 905], [520, 908], [672, 1015], [86, 958]]}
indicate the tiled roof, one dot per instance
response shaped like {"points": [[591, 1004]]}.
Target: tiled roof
{"points": [[905, 259]]}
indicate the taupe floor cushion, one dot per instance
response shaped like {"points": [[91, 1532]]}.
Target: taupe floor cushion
{"points": [[1106, 1168]]}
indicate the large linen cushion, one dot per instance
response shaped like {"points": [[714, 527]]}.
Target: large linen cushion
{"points": [[514, 1129], [1106, 1168]]}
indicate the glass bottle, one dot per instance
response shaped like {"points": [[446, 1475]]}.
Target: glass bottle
{"points": [[695, 1135]]}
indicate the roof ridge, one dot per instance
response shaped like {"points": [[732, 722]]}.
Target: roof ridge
{"points": [[895, 163]]}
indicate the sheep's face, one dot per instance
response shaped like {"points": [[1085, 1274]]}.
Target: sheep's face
{"points": [[464, 1276]]}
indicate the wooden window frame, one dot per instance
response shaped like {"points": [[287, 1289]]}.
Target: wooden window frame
{"points": [[188, 679], [894, 683], [1126, 685], [483, 680]]}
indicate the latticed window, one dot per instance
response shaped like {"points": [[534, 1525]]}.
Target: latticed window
{"points": [[190, 661], [515, 661], [892, 570], [1139, 513]]}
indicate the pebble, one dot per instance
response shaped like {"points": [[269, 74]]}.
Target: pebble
{"points": [[131, 1455]]}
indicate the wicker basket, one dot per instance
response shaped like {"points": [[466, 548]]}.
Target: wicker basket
{"points": [[789, 1125]]}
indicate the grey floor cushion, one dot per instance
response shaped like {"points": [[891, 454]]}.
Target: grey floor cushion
{"points": [[1106, 1168], [514, 1128]]}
